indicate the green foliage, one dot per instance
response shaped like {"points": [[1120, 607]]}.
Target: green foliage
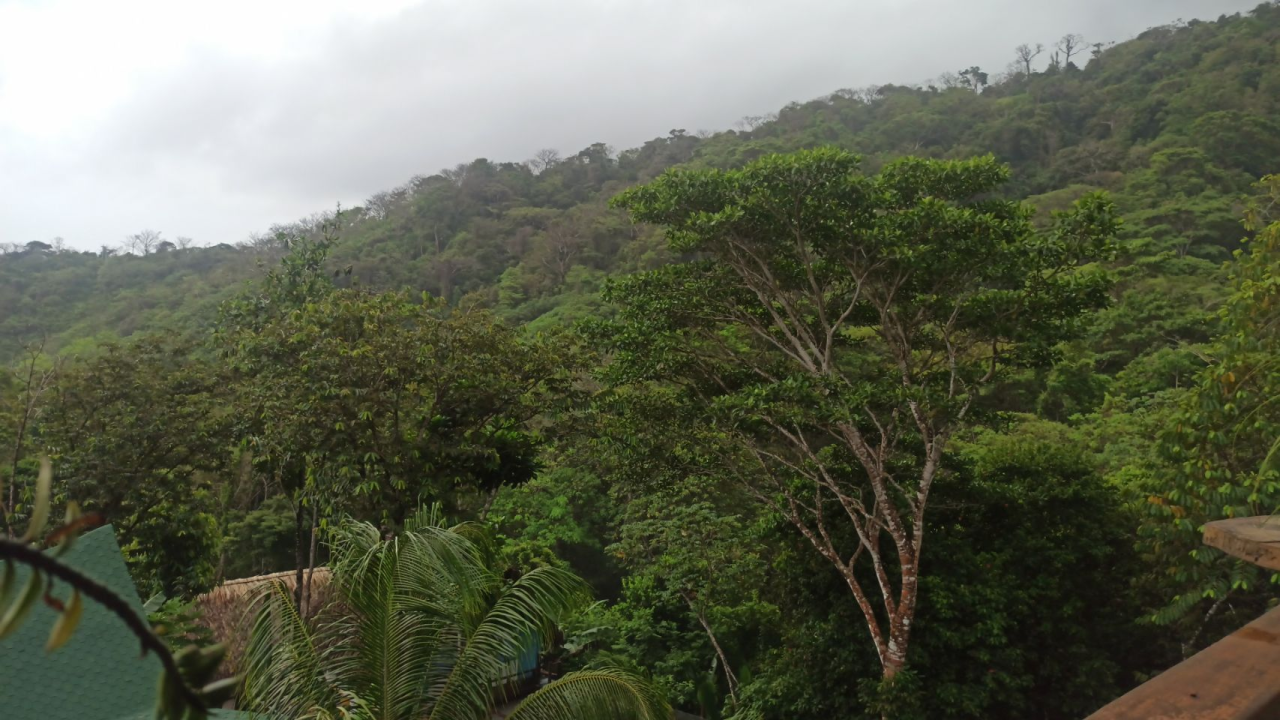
{"points": [[1217, 448], [840, 329], [692, 609], [1026, 609], [371, 403], [428, 630], [137, 430], [178, 623], [390, 399], [342, 388], [1055, 575], [559, 517], [259, 541], [657, 485]]}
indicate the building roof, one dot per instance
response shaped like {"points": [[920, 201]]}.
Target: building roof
{"points": [[227, 610], [99, 673], [249, 585]]}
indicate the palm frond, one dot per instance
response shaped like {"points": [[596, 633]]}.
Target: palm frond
{"points": [[426, 624], [427, 516], [524, 611], [284, 668], [602, 694], [1272, 461], [399, 595]]}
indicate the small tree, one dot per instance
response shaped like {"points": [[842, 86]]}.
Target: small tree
{"points": [[246, 342], [1070, 44], [143, 243], [32, 378], [974, 78], [544, 159], [1026, 54], [136, 428], [838, 329], [694, 555], [372, 403]]}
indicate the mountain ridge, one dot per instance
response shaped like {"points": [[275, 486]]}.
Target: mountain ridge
{"points": [[1176, 123]]}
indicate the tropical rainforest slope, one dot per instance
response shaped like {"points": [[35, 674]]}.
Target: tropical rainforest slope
{"points": [[1176, 123], [1063, 564]]}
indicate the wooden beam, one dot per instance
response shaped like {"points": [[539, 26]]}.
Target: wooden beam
{"points": [[1255, 539], [1236, 678]]}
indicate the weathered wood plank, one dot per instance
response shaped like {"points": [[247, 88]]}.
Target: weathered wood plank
{"points": [[1256, 539], [1236, 678]]}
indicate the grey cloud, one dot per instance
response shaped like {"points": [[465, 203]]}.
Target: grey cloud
{"points": [[218, 147]]}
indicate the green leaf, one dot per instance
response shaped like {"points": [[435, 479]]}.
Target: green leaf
{"points": [[18, 610], [1272, 461], [154, 603], [6, 581], [65, 627], [40, 514]]}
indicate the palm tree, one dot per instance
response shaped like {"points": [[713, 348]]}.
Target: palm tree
{"points": [[425, 627]]}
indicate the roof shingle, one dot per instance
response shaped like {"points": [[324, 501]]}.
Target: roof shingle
{"points": [[99, 673]]}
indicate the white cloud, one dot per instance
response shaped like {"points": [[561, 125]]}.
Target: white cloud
{"points": [[215, 119]]}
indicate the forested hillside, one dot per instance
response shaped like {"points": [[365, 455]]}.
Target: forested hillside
{"points": [[608, 357], [1176, 123]]}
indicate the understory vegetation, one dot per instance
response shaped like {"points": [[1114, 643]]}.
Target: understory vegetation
{"points": [[903, 402]]}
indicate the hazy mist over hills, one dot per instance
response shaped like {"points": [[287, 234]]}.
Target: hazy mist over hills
{"points": [[215, 120]]}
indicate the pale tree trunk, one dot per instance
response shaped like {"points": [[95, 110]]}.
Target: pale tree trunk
{"points": [[729, 677], [299, 554], [1188, 647], [892, 523], [488, 503], [803, 323], [311, 564]]}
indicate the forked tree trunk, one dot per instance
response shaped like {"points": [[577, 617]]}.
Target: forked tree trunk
{"points": [[299, 554], [311, 564], [730, 678]]}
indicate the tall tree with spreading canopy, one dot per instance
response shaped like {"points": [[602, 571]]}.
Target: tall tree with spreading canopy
{"points": [[840, 328], [276, 429], [373, 403]]}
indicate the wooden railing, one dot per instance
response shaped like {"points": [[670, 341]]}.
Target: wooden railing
{"points": [[1236, 678]]}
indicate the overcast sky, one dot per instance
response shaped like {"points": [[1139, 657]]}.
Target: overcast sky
{"points": [[215, 119]]}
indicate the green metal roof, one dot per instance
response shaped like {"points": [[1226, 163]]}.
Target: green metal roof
{"points": [[99, 673]]}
